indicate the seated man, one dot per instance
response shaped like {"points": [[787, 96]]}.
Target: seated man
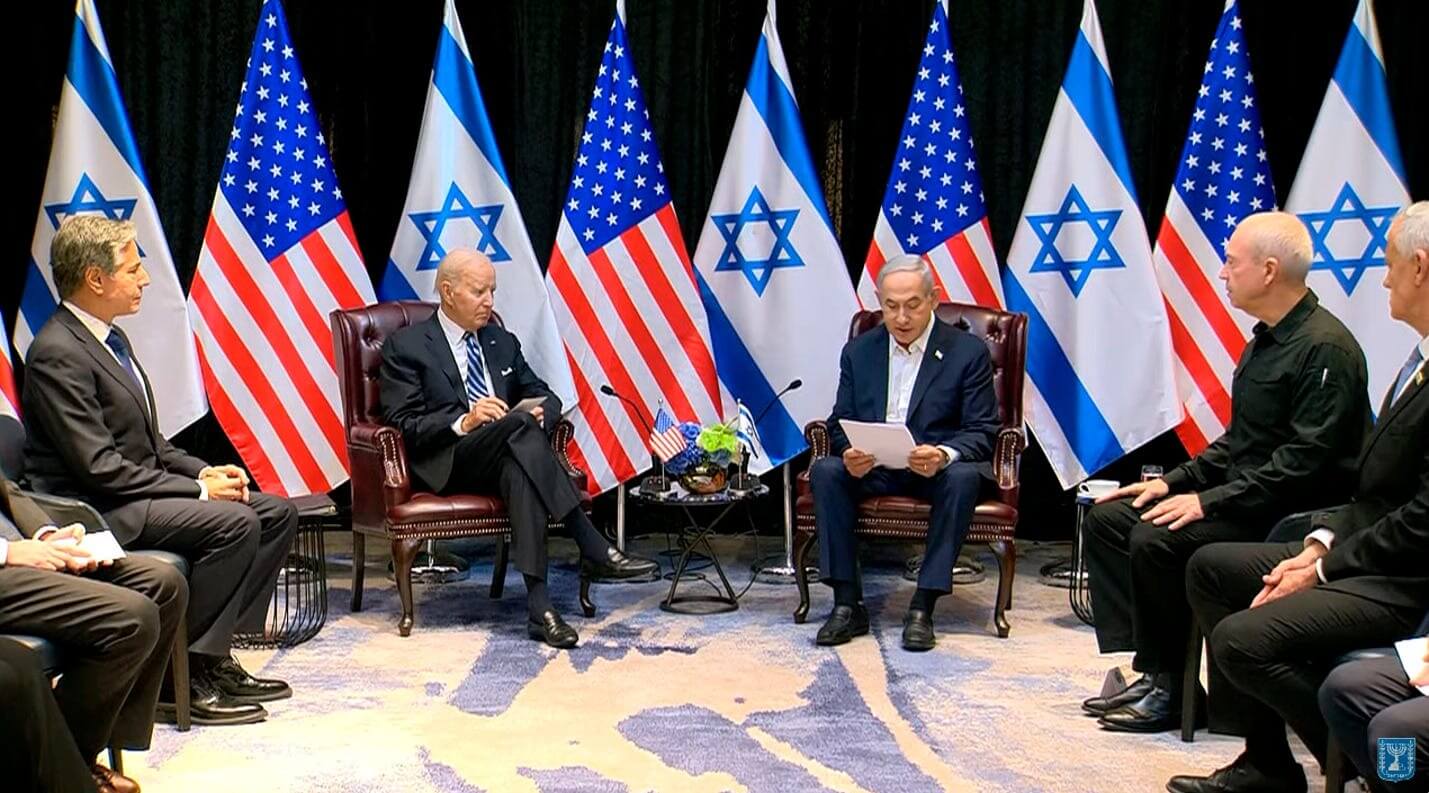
{"points": [[1366, 702], [94, 435], [936, 379], [448, 385], [1299, 411], [1277, 614], [116, 624]]}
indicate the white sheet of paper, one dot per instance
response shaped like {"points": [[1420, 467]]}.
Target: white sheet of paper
{"points": [[529, 404], [1411, 656], [102, 546], [889, 444]]}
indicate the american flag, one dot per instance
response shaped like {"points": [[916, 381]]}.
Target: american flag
{"points": [[621, 282], [278, 255], [668, 441], [933, 205], [9, 397], [1223, 176]]}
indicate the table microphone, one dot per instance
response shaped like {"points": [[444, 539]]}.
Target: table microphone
{"points": [[608, 391], [794, 385], [661, 484]]}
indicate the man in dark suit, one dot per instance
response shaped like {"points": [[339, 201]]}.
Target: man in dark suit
{"points": [[1299, 411], [116, 623], [93, 435], [1278, 613], [449, 385], [936, 379]]}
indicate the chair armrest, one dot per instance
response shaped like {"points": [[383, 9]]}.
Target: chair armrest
{"points": [[377, 455], [816, 433], [1006, 463], [561, 438], [64, 511]]}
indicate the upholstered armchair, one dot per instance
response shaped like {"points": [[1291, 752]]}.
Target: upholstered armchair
{"points": [[386, 502], [903, 518]]}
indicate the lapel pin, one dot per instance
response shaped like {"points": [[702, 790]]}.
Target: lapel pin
{"points": [[1419, 378], [938, 354], [506, 371]]}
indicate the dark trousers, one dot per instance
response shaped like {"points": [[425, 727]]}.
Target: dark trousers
{"points": [[513, 457], [1276, 655], [116, 627], [952, 493], [37, 752], [1137, 571], [235, 551], [1364, 701]]}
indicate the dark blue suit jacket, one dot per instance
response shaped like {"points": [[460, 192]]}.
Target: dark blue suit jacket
{"points": [[953, 402]]}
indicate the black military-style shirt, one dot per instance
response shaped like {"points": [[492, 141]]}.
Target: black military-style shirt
{"points": [[1299, 413]]}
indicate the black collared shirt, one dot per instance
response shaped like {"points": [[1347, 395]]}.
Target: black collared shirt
{"points": [[1299, 413]]}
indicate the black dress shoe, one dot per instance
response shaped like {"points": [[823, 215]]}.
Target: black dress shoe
{"points": [[234, 680], [211, 707], [844, 623], [1098, 706], [918, 631], [617, 564], [552, 630], [1158, 710], [1242, 777]]}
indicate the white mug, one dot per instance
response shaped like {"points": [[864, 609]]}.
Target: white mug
{"points": [[1096, 488]]}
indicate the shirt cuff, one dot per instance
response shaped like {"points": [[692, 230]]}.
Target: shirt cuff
{"points": [[1320, 571], [456, 426], [202, 490], [1323, 536], [4, 550], [45, 531], [951, 452]]}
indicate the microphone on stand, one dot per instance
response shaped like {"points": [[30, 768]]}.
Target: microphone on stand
{"points": [[660, 484], [794, 385]]}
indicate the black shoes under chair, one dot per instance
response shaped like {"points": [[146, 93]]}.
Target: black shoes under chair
{"points": [[223, 693]]}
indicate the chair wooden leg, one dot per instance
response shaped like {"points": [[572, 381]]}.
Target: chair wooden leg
{"points": [[1334, 767], [179, 669], [359, 568], [587, 605], [498, 570], [116, 758], [1190, 681], [404, 552], [1006, 553], [801, 553]]}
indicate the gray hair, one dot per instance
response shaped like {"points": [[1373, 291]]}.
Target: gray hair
{"points": [[1413, 232], [907, 263], [1283, 237], [85, 241]]}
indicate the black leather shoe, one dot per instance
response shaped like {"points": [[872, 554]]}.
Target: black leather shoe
{"points": [[617, 564], [1242, 777], [1098, 706], [211, 707], [1158, 710], [918, 631], [844, 623], [552, 630], [234, 680]]}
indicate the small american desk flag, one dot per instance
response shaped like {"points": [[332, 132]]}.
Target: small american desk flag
{"points": [[668, 441], [278, 255]]}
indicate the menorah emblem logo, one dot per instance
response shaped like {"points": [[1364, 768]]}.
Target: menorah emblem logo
{"points": [[1396, 759]]}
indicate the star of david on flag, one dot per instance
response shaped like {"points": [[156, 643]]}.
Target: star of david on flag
{"points": [[1350, 184], [95, 169], [1080, 268], [933, 205], [1223, 175], [772, 320], [460, 197]]}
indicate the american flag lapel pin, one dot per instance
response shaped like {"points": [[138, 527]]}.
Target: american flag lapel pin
{"points": [[938, 354]]}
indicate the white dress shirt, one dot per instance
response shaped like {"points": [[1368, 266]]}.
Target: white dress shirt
{"points": [[903, 366], [454, 334], [1326, 537]]}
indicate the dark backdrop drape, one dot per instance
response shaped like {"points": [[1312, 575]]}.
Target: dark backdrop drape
{"points": [[368, 63]]}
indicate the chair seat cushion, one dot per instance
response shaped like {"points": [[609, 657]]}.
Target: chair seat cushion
{"points": [[46, 651], [905, 508], [426, 508]]}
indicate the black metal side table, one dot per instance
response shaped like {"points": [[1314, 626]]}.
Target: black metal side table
{"points": [[299, 606], [696, 535]]}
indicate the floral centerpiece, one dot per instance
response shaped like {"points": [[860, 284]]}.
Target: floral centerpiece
{"points": [[703, 465]]}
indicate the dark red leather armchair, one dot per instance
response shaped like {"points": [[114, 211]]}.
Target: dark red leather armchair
{"points": [[901, 518], [385, 501]]}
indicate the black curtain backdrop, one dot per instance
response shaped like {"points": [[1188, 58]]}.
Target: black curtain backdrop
{"points": [[368, 64]]}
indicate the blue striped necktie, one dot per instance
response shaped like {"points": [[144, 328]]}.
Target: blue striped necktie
{"points": [[475, 371], [1410, 367], [121, 351]]}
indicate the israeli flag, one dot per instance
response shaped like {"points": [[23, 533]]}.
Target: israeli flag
{"points": [[460, 197], [1350, 185], [1099, 360], [95, 170], [745, 431], [770, 271]]}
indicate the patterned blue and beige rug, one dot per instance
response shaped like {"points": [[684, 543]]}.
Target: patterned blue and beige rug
{"points": [[656, 701]]}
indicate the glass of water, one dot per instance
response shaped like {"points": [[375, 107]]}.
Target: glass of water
{"points": [[1150, 472]]}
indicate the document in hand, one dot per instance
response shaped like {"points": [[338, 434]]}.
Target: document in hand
{"points": [[1411, 657], [101, 546], [889, 443]]}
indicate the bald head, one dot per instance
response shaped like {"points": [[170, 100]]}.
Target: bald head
{"points": [[1267, 259], [1280, 236], [466, 285]]}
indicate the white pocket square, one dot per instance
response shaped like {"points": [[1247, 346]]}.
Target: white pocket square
{"points": [[506, 371]]}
